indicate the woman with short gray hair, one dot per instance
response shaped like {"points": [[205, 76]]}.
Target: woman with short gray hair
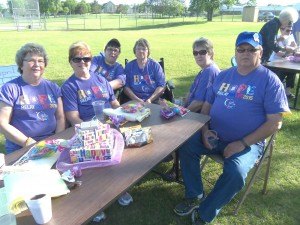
{"points": [[31, 108], [269, 31]]}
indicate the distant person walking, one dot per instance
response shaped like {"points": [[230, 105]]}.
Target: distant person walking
{"points": [[269, 31]]}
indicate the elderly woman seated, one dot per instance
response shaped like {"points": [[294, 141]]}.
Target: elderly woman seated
{"points": [[145, 80]]}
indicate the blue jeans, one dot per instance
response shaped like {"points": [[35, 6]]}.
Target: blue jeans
{"points": [[230, 182]]}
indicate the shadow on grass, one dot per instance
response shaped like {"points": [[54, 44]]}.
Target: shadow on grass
{"points": [[145, 27]]}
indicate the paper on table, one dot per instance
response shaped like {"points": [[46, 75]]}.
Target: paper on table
{"points": [[21, 185], [138, 116], [42, 163], [3, 202]]}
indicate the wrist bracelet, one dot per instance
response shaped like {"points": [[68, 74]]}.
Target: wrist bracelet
{"points": [[244, 143]]}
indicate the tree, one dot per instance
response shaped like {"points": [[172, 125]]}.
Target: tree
{"points": [[55, 6], [71, 5], [198, 6], [95, 7], [82, 7], [122, 9]]}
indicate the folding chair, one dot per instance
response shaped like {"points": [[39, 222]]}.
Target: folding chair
{"points": [[266, 157], [233, 61], [167, 94]]}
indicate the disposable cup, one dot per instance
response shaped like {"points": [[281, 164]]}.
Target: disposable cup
{"points": [[8, 219], [98, 109], [40, 207]]}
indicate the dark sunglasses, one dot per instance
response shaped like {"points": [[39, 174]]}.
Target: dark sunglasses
{"points": [[201, 52], [84, 59], [242, 50]]}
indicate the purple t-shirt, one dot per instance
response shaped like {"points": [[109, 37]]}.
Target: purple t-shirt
{"points": [[202, 82], [34, 108], [240, 104], [100, 68], [143, 82], [78, 95]]}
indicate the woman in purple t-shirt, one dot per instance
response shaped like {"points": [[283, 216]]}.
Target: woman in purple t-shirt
{"points": [[30, 106], [145, 79], [203, 52], [82, 88]]}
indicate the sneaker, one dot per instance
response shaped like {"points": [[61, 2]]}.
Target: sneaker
{"points": [[101, 216], [196, 220], [186, 207], [125, 199]]}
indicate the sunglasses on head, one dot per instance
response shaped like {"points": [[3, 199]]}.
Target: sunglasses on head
{"points": [[84, 59], [201, 52], [242, 50]]}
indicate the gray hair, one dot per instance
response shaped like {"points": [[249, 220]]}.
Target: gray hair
{"points": [[288, 16], [142, 42], [206, 44], [33, 49]]}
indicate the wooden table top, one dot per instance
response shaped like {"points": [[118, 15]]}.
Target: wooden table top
{"points": [[284, 64], [102, 186]]}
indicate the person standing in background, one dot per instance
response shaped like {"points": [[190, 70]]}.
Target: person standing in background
{"points": [[269, 31]]}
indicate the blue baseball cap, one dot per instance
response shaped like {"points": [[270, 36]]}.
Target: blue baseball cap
{"points": [[252, 38]]}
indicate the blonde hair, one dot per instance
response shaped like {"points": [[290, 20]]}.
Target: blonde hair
{"points": [[77, 47]]}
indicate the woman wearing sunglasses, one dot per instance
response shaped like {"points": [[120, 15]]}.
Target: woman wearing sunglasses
{"points": [[203, 52], [83, 88], [31, 108], [286, 41]]}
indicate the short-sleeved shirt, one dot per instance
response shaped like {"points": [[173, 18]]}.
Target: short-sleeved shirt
{"points": [[284, 43], [202, 82], [240, 104], [143, 82], [79, 94], [33, 108], [109, 72]]}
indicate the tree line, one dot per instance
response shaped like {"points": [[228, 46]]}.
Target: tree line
{"points": [[157, 8]]}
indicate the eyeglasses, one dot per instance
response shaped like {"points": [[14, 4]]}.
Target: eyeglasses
{"points": [[201, 52], [286, 29], [116, 50], [84, 59], [250, 50], [33, 61], [142, 49]]}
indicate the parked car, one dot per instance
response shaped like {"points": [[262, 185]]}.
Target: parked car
{"points": [[265, 16]]}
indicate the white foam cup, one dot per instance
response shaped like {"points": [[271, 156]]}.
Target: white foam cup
{"points": [[40, 207]]}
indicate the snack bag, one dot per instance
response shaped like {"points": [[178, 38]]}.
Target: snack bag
{"points": [[137, 136]]}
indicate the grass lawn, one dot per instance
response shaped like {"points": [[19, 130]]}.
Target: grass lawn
{"points": [[154, 199]]}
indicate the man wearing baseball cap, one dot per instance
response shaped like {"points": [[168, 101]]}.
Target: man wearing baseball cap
{"points": [[106, 65], [246, 103]]}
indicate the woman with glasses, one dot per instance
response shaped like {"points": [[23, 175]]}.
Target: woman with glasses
{"points": [[31, 107], [83, 88], [203, 52], [145, 79], [286, 18], [285, 40]]}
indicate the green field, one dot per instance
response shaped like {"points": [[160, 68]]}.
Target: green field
{"points": [[154, 199]]}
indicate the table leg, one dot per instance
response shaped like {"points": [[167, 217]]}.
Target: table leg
{"points": [[297, 92]]}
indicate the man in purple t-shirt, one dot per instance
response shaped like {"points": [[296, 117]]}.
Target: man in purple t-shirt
{"points": [[246, 104], [106, 65]]}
